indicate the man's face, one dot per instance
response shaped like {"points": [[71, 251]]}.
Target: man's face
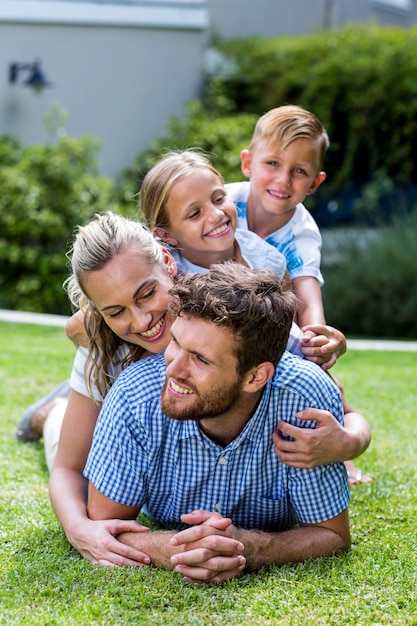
{"points": [[201, 377]]}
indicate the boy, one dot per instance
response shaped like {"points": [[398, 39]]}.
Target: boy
{"points": [[283, 163]]}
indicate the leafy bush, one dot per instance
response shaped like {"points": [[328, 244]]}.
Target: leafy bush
{"points": [[46, 192], [360, 81], [222, 138], [369, 290]]}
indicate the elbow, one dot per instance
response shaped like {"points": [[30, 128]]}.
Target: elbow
{"points": [[346, 544], [344, 541]]}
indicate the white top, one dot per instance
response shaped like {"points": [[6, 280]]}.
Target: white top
{"points": [[78, 382], [299, 240], [255, 251]]}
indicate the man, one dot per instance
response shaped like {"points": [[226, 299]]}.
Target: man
{"points": [[200, 454]]}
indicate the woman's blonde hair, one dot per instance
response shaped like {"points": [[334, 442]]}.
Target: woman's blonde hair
{"points": [[94, 246], [158, 183]]}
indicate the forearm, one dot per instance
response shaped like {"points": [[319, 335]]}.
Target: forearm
{"points": [[310, 314], [310, 302], [156, 544], [68, 493], [291, 546], [357, 435]]}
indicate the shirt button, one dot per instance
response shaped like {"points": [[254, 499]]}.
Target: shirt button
{"points": [[222, 460], [218, 506]]}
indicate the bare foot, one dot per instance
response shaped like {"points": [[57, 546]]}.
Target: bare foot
{"points": [[355, 475]]}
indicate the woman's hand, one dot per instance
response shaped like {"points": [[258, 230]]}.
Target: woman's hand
{"points": [[329, 442], [96, 540]]}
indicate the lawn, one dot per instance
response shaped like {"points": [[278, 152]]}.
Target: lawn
{"points": [[44, 581]]}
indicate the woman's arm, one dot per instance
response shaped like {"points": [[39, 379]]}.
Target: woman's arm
{"points": [[68, 488]]}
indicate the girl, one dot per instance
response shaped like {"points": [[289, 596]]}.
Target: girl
{"points": [[120, 278]]}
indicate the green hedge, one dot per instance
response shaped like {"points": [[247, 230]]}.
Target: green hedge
{"points": [[45, 192], [360, 81], [369, 289]]}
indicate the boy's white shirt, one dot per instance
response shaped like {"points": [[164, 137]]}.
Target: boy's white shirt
{"points": [[299, 240]]}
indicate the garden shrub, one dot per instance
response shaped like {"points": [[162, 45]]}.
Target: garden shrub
{"points": [[46, 192], [360, 82], [370, 289]]}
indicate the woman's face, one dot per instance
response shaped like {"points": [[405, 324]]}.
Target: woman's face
{"points": [[132, 296]]}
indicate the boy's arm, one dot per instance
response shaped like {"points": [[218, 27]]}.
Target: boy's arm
{"points": [[324, 344], [310, 303]]}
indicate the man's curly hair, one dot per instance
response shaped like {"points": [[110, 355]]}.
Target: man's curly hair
{"points": [[249, 302]]}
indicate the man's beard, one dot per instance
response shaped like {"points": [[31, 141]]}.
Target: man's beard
{"points": [[214, 403]]}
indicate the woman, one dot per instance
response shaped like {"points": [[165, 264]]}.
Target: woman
{"points": [[120, 279]]}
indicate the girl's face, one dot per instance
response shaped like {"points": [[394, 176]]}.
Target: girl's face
{"points": [[132, 296], [202, 218]]}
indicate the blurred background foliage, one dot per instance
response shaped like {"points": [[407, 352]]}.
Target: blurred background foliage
{"points": [[360, 81]]}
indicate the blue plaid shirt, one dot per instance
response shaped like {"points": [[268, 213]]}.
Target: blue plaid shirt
{"points": [[141, 457]]}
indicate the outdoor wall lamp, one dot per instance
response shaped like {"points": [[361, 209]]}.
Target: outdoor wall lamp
{"points": [[36, 79]]}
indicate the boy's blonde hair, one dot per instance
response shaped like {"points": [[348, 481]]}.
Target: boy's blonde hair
{"points": [[159, 181], [284, 124]]}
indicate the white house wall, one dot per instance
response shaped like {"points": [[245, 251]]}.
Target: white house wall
{"points": [[119, 81], [122, 69], [267, 18]]}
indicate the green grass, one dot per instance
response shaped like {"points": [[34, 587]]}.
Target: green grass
{"points": [[44, 581]]}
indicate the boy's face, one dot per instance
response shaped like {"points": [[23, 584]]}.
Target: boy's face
{"points": [[280, 180]]}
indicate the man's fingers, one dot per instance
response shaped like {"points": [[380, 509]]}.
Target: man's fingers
{"points": [[213, 519], [217, 569], [204, 537]]}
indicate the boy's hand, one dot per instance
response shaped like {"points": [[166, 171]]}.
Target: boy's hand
{"points": [[322, 344]]}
